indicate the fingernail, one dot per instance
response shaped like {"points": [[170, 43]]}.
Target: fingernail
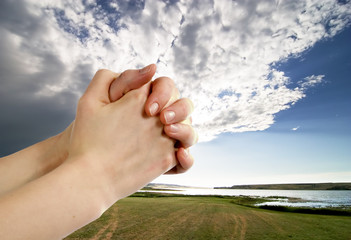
{"points": [[174, 128], [145, 70], [169, 116], [153, 108]]}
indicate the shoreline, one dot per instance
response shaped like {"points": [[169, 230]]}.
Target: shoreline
{"points": [[147, 215], [293, 186], [255, 202]]}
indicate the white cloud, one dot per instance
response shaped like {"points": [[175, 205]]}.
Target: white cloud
{"points": [[311, 81], [220, 53], [295, 128]]}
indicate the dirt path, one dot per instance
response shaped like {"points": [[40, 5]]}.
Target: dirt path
{"points": [[240, 226], [110, 228], [269, 220], [176, 218], [243, 227]]}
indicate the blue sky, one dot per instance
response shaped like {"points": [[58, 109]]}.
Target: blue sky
{"points": [[326, 109], [269, 79], [310, 142]]}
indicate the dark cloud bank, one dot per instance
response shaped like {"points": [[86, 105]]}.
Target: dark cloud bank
{"points": [[26, 116]]}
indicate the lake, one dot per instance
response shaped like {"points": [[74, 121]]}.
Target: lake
{"points": [[298, 198]]}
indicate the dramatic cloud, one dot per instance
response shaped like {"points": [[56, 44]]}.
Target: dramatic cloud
{"points": [[222, 54]]}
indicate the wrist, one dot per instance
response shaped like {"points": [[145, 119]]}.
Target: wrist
{"points": [[97, 181], [62, 201], [32, 162], [51, 154], [53, 151]]}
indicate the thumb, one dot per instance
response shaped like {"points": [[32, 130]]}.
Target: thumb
{"points": [[129, 80]]}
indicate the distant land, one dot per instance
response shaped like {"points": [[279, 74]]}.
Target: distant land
{"points": [[294, 186], [163, 185]]}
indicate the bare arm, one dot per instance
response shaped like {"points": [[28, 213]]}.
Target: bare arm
{"points": [[115, 149], [52, 206], [33, 162]]}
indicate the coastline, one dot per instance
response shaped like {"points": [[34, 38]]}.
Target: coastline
{"points": [[256, 202], [146, 215], [294, 186]]}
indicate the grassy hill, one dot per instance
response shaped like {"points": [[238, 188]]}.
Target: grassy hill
{"points": [[296, 186]]}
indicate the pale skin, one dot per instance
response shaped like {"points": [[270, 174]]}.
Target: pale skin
{"points": [[37, 160], [116, 145]]}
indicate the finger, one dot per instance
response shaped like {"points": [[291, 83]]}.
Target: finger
{"points": [[188, 121], [185, 162], [129, 80], [177, 112], [184, 133], [140, 94], [100, 84], [163, 94]]}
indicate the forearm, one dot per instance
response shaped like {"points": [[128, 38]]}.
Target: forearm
{"points": [[54, 205], [32, 162]]}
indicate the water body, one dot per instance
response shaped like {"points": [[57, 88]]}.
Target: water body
{"points": [[295, 198]]}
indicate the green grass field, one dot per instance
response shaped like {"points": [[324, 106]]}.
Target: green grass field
{"points": [[208, 218]]}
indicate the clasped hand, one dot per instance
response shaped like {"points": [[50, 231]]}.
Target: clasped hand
{"points": [[123, 137], [118, 128]]}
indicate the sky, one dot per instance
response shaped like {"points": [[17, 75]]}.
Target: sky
{"points": [[269, 79]]}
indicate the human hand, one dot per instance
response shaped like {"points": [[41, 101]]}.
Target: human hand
{"points": [[163, 100], [164, 97], [123, 146], [92, 164], [95, 164]]}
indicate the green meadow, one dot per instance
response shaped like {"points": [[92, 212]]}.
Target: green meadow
{"points": [[157, 216]]}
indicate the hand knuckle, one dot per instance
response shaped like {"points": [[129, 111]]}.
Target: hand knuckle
{"points": [[191, 104], [191, 135], [102, 71], [83, 101], [85, 104], [177, 93], [184, 109]]}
